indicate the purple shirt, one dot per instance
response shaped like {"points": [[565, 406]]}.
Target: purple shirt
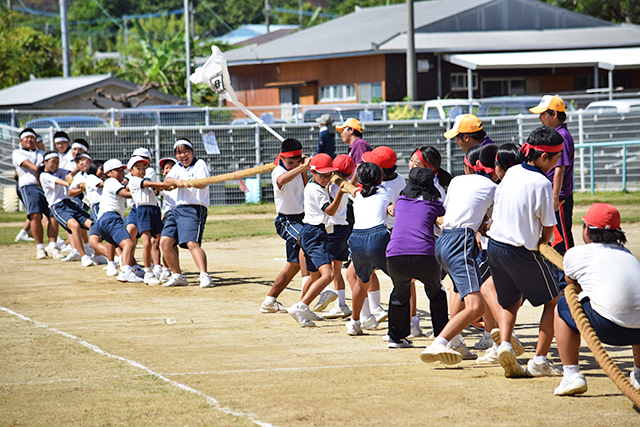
{"points": [[413, 230], [357, 149], [566, 160], [487, 141]]}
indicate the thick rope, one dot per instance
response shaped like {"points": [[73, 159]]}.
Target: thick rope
{"points": [[586, 330]]}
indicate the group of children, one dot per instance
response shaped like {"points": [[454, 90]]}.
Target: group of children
{"points": [[53, 185]]}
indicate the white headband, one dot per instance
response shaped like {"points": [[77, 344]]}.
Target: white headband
{"points": [[85, 156], [60, 139], [182, 142], [27, 133], [78, 145], [51, 156]]}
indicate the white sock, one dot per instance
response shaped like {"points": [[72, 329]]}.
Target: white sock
{"points": [[341, 297], [374, 299], [540, 360], [415, 320], [570, 370], [440, 340], [157, 269], [505, 344], [487, 335], [59, 240], [111, 264], [22, 233], [305, 279], [166, 270], [126, 268], [356, 322], [269, 300], [456, 341], [40, 245], [302, 305], [365, 313], [147, 269], [51, 245]]}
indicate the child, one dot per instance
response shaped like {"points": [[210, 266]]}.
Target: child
{"points": [[288, 179], [110, 225], [468, 206], [411, 255], [62, 143], [608, 274], [168, 209], [149, 219], [83, 161], [522, 213], [185, 228], [313, 236], [93, 189]]}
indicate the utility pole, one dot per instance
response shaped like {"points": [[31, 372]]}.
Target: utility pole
{"points": [[10, 8], [266, 14], [187, 42], [193, 22], [411, 54], [65, 39], [125, 23], [300, 13]]}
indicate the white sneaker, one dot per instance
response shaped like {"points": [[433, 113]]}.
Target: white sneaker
{"points": [[53, 252], [577, 384], [165, 275], [442, 353], [112, 270], [483, 343], [548, 369], [301, 316], [464, 351], [66, 248], [61, 244], [205, 280], [515, 342], [128, 277], [380, 314], [509, 363], [138, 271], [314, 317], [100, 260], [338, 311], [73, 256], [416, 331], [490, 357], [370, 323], [150, 279], [176, 280], [354, 328], [117, 260], [23, 236], [272, 307], [87, 261], [326, 297], [404, 343], [634, 382], [41, 253], [89, 250]]}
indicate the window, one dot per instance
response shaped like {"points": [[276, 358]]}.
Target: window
{"points": [[369, 92], [459, 81], [338, 93], [503, 87]]}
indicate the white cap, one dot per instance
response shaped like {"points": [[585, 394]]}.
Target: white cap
{"points": [[135, 159], [112, 164], [142, 152]]}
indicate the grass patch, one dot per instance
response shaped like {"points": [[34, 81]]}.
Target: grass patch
{"points": [[616, 198], [13, 217], [229, 228], [247, 208]]}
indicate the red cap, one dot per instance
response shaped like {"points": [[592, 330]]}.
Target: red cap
{"points": [[382, 156], [322, 163], [344, 164], [603, 216]]}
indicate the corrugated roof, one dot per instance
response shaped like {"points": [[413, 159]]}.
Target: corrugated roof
{"points": [[37, 90]]}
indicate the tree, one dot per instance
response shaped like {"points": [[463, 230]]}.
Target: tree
{"points": [[619, 11]]}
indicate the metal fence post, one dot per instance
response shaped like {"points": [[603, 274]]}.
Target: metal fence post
{"points": [[385, 117], [52, 145], [296, 113], [207, 117], [449, 162], [258, 159], [624, 168], [581, 141], [14, 122], [592, 171], [112, 113], [157, 141], [520, 129]]}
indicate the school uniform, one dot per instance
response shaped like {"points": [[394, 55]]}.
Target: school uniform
{"points": [[80, 178], [395, 185], [149, 217], [31, 193], [338, 229], [94, 195], [313, 236], [149, 174], [289, 202], [523, 205], [187, 224], [110, 225], [60, 205]]}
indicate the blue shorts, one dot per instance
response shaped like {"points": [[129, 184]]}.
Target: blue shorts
{"points": [[338, 243], [289, 227], [132, 218], [149, 219], [34, 200], [608, 332], [314, 242], [79, 201], [186, 224], [66, 210], [110, 227], [95, 209], [483, 265], [456, 252], [368, 249], [518, 272]]}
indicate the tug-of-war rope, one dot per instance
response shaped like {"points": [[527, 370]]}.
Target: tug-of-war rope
{"points": [[586, 330]]}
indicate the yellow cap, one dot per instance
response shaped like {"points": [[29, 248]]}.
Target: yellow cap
{"points": [[464, 123], [549, 102], [350, 123]]}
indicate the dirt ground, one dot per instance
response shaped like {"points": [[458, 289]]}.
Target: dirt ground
{"points": [[79, 348]]}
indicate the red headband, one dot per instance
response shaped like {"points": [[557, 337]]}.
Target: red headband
{"points": [[479, 167], [287, 154], [423, 161], [544, 148]]}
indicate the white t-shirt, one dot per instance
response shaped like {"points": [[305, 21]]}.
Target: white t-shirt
{"points": [[316, 199], [191, 196], [110, 201], [94, 193], [81, 177], [608, 275], [27, 176], [523, 205], [396, 186], [169, 200], [290, 198], [142, 196], [54, 193], [65, 158], [371, 211], [469, 199], [69, 164], [340, 217]]}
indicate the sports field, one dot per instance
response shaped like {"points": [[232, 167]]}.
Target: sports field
{"points": [[79, 348]]}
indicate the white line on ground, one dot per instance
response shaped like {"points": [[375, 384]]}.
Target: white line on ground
{"points": [[210, 399], [302, 368]]}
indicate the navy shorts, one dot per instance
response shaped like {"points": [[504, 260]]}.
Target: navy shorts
{"points": [[608, 332], [315, 244], [132, 218], [338, 243], [79, 201], [289, 227], [483, 265], [456, 252], [368, 249], [94, 219], [186, 224], [66, 210], [34, 200], [518, 272], [149, 219], [110, 227]]}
